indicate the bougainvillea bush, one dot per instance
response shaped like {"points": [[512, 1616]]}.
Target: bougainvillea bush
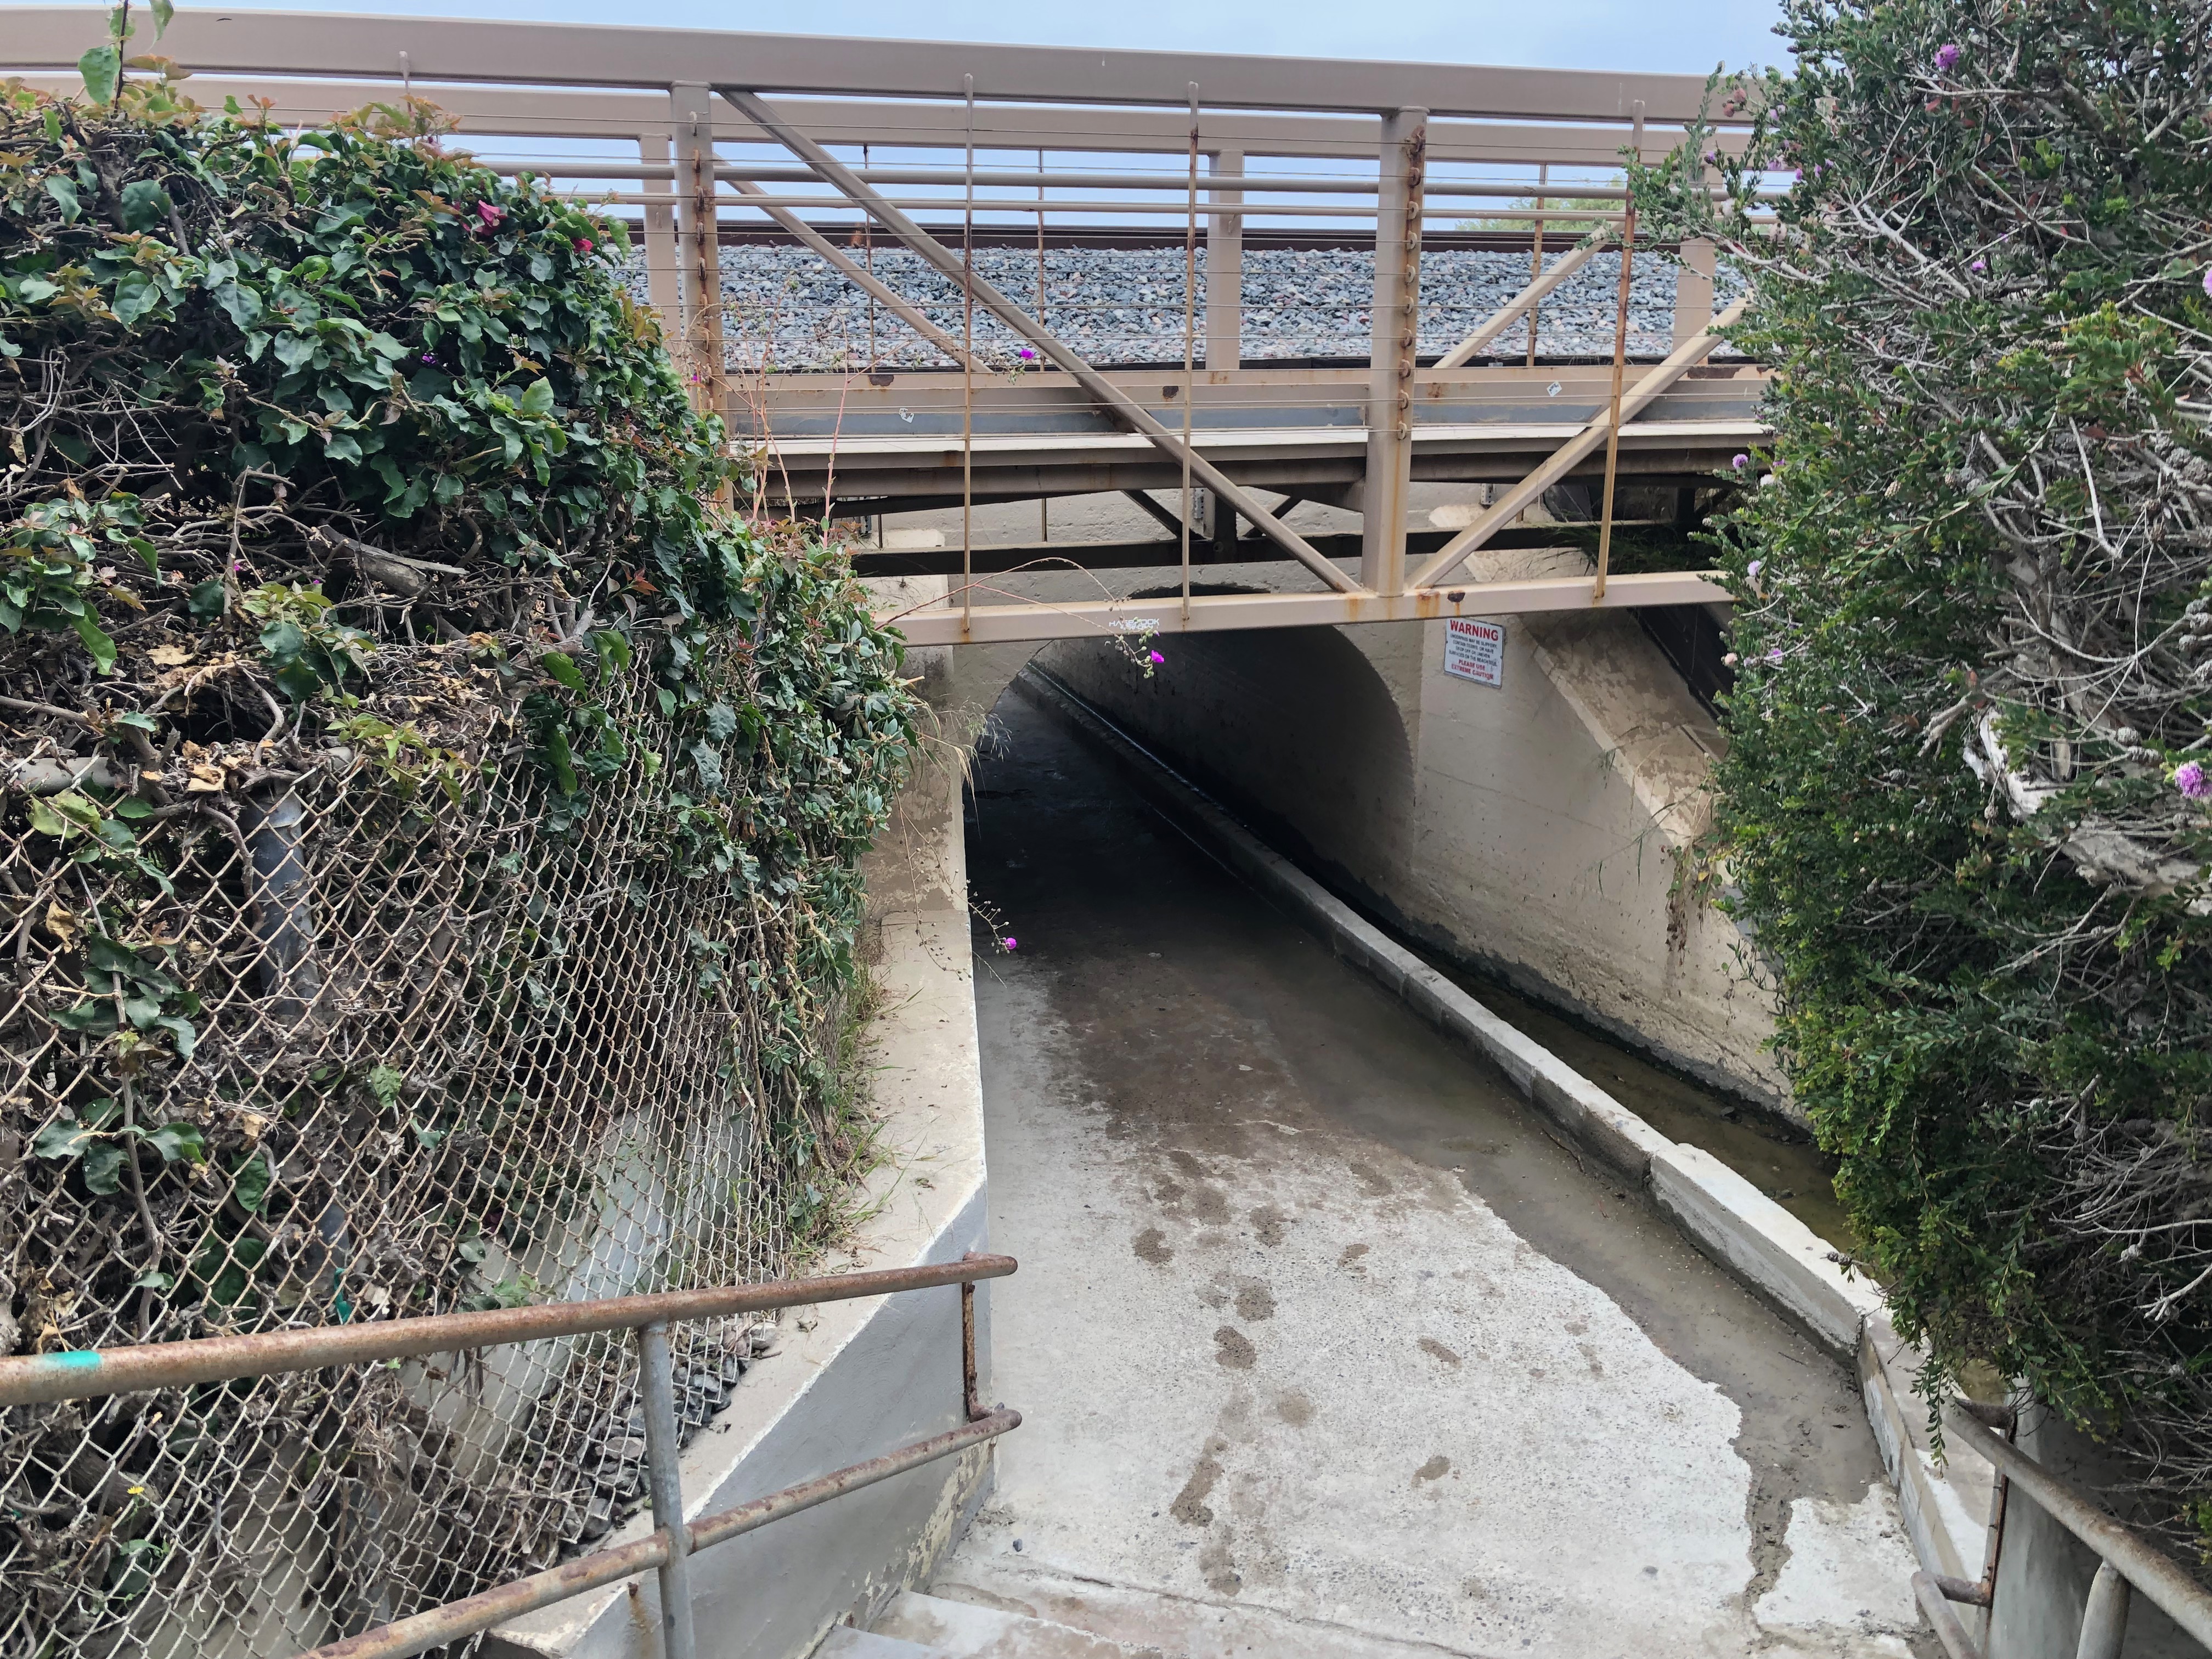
{"points": [[1968, 801], [428, 852]]}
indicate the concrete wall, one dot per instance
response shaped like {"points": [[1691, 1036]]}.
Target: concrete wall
{"points": [[850, 1380], [1532, 829], [2043, 1573]]}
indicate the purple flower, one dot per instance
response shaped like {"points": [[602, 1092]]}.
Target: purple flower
{"points": [[1026, 353], [1945, 57], [1979, 266], [1753, 569], [429, 356], [1741, 462], [2207, 279], [2189, 778], [1156, 657], [1775, 654], [1008, 941]]}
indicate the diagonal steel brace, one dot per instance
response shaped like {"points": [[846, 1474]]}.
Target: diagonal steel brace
{"points": [[851, 269], [1507, 506], [1517, 308], [1131, 413]]}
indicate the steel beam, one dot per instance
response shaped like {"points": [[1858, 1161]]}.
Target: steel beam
{"points": [[575, 113], [1510, 505], [537, 54], [1212, 613], [1517, 308], [1396, 313], [1126, 407]]}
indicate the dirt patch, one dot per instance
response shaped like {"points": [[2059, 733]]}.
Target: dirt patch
{"points": [[1435, 1469], [1152, 1245], [1255, 1303], [1435, 1350]]}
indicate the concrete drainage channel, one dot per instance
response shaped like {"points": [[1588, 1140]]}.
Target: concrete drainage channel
{"points": [[1749, 1234]]}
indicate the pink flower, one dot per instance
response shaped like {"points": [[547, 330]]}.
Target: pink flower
{"points": [[1026, 354], [2189, 778], [1157, 658], [2207, 279], [1945, 57], [1741, 462], [583, 244], [1753, 569], [1008, 941], [1775, 654], [1979, 266], [487, 215]]}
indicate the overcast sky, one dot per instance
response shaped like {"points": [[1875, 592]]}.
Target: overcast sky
{"points": [[1688, 36]]}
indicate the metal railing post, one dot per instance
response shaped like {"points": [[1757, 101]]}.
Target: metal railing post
{"points": [[691, 109], [1225, 264], [2105, 1619], [1397, 328], [1694, 291], [657, 1389]]}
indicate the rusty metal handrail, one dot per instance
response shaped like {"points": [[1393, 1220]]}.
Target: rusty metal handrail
{"points": [[2126, 1562], [88, 1373], [82, 1374]]}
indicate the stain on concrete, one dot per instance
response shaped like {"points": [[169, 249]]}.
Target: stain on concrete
{"points": [[1219, 1568], [1232, 1351], [1190, 1506], [1435, 1350], [1294, 1408], [1371, 1178], [1210, 1205], [1152, 1246], [1267, 1223], [1255, 1303], [1435, 1469], [1351, 1254]]}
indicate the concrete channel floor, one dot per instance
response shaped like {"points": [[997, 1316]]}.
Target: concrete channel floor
{"points": [[1325, 1345]]}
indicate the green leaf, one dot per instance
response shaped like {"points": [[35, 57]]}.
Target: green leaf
{"points": [[241, 305], [62, 189], [210, 599], [252, 1180], [48, 821], [560, 761], [562, 667], [103, 1166], [152, 1280], [536, 398], [102, 648], [96, 1017], [145, 204], [179, 1140], [613, 649], [102, 69], [284, 641], [67, 1139], [163, 11], [132, 807], [294, 350]]}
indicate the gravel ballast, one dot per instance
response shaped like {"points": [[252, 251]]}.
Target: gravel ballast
{"points": [[788, 310]]}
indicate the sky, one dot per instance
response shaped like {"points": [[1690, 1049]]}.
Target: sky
{"points": [[1682, 36]]}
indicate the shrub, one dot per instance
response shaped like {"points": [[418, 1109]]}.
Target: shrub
{"points": [[1964, 799], [430, 853]]}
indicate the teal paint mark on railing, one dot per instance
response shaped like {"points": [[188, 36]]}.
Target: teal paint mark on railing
{"points": [[77, 1359]]}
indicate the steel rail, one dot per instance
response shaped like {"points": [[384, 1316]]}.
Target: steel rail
{"points": [[2175, 1593], [477, 1614], [84, 1374], [1132, 413]]}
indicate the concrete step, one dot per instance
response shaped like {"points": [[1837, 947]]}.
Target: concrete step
{"points": [[845, 1643], [967, 1630]]}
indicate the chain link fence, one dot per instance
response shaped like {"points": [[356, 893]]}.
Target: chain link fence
{"points": [[358, 1030]]}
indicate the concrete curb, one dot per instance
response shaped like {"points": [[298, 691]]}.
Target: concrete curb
{"points": [[1753, 1237]]}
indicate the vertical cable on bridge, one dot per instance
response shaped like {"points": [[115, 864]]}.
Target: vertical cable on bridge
{"points": [[1619, 365], [1189, 335], [968, 379]]}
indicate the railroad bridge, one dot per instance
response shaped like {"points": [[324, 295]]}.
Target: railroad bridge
{"points": [[1356, 1317]]}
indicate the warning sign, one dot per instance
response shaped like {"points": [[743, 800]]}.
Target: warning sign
{"points": [[1475, 650]]}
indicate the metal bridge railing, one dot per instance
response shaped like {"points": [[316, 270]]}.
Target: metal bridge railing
{"points": [[48, 1378], [2126, 1564]]}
